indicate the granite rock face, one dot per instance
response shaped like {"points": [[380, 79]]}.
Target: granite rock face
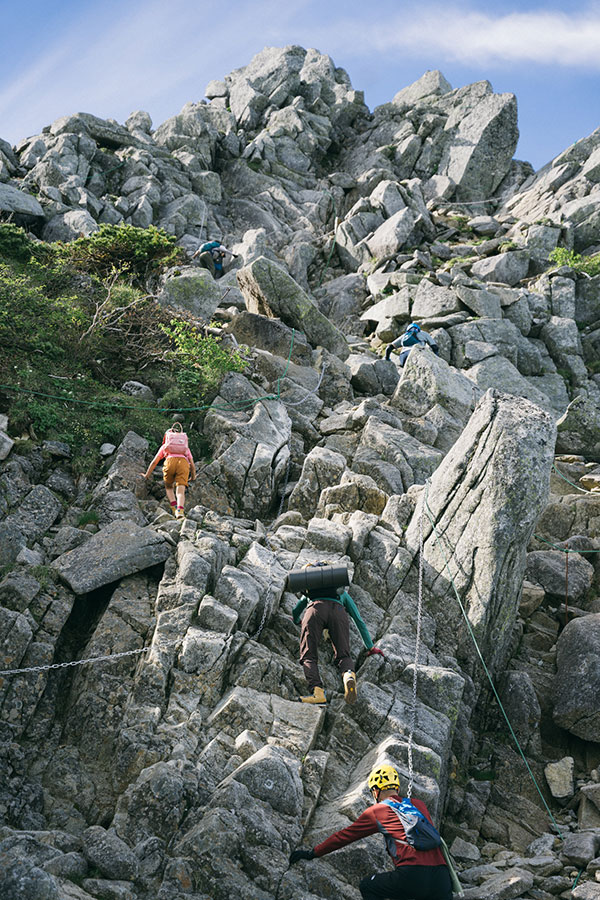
{"points": [[173, 759], [121, 548]]}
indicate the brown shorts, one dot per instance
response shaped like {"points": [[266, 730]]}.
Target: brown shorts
{"points": [[176, 469]]}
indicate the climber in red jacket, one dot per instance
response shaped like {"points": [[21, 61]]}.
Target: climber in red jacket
{"points": [[418, 874]]}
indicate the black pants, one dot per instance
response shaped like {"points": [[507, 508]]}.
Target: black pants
{"points": [[322, 614], [408, 883]]}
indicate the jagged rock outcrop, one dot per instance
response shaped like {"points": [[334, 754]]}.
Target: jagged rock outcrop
{"points": [[179, 762]]}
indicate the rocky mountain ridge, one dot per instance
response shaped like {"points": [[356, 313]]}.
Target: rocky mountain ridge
{"points": [[188, 769]]}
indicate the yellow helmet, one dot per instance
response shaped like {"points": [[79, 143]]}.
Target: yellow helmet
{"points": [[384, 777]]}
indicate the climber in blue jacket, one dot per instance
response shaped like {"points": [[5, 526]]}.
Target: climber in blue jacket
{"points": [[414, 336], [212, 257]]}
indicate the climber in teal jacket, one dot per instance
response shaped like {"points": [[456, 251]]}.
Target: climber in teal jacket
{"points": [[325, 608]]}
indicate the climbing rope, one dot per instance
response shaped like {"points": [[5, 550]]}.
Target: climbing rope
{"points": [[413, 719], [560, 474], [234, 406], [437, 538], [563, 549]]}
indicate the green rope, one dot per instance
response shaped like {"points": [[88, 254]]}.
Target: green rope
{"points": [[485, 668], [560, 474], [563, 549], [574, 885], [235, 406]]}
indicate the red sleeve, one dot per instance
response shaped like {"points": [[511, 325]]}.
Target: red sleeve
{"points": [[365, 825], [189, 457]]}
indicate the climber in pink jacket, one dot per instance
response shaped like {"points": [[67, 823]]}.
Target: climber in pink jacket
{"points": [[177, 466]]}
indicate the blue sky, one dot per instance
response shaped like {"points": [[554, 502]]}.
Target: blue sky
{"points": [[109, 58]]}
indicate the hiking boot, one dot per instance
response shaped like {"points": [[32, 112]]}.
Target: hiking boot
{"points": [[179, 514], [317, 696], [349, 687]]}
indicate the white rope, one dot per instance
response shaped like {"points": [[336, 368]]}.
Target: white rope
{"points": [[413, 721], [308, 393]]}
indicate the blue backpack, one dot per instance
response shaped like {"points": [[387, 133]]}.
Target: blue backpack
{"points": [[410, 339], [419, 831], [210, 245]]}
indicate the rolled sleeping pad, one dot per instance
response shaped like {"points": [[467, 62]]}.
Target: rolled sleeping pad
{"points": [[315, 577]]}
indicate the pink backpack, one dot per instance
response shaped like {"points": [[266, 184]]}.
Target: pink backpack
{"points": [[175, 440]]}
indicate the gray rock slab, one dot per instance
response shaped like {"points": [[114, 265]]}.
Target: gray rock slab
{"points": [[581, 848], [69, 226], [559, 777], [37, 512], [13, 200], [498, 372], [548, 567], [269, 290], [508, 885], [109, 854], [122, 548], [6, 445], [509, 268], [191, 289], [12, 541], [577, 681], [479, 151], [578, 430], [270, 334], [487, 520], [433, 300], [269, 770]]}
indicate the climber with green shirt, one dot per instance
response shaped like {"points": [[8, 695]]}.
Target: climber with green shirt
{"points": [[329, 607]]}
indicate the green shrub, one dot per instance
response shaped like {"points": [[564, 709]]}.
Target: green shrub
{"points": [[89, 517], [201, 361], [136, 252], [589, 265], [14, 243]]}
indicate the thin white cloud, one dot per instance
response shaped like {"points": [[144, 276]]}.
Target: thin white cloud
{"points": [[457, 34], [138, 58], [156, 55]]}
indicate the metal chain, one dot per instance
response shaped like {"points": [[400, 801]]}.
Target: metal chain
{"points": [[413, 721], [286, 477], [256, 636], [76, 662]]}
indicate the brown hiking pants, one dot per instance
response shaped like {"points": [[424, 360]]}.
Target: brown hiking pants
{"points": [[322, 614]]}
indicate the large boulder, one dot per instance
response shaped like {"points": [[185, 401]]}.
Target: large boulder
{"points": [[191, 289], [12, 200], [434, 300], [485, 499], [266, 333], [270, 291], [437, 392], [497, 371], [510, 267], [480, 150], [120, 549], [37, 512], [69, 226], [577, 682], [249, 439], [578, 431], [322, 469], [548, 568], [394, 459]]}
